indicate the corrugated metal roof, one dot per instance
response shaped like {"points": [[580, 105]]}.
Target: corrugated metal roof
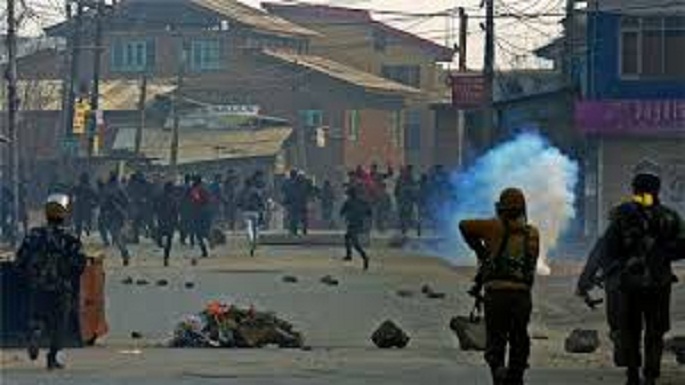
{"points": [[253, 17], [206, 145], [343, 72], [115, 95]]}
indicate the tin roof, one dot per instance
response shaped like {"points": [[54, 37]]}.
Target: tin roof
{"points": [[206, 145], [343, 72], [253, 17], [115, 95]]}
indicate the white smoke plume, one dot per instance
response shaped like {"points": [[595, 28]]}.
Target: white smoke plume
{"points": [[547, 177]]}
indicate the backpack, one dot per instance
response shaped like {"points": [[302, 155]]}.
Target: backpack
{"points": [[48, 254], [643, 232], [514, 261]]}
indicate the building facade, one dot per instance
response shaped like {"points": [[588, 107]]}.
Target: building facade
{"points": [[632, 111], [226, 53], [354, 37]]}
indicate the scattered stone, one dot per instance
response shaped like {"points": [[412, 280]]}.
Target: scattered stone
{"points": [[582, 341], [162, 282], [389, 335], [436, 295], [330, 281], [127, 281], [216, 238], [428, 291], [675, 344], [405, 293], [307, 348], [193, 262], [680, 357], [136, 335], [189, 285], [290, 279], [142, 282]]}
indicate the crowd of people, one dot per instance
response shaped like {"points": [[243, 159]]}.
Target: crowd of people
{"points": [[123, 211]]}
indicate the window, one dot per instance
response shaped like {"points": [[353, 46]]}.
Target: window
{"points": [[353, 123], [412, 130], [396, 128], [205, 55], [380, 40], [132, 55], [311, 118], [651, 47], [407, 75]]}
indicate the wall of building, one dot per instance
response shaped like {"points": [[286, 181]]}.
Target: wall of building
{"points": [[604, 80]]}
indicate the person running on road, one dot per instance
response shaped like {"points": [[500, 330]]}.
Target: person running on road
{"points": [[356, 212]]}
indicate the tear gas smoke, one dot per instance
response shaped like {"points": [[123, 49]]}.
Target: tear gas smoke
{"points": [[547, 177]]}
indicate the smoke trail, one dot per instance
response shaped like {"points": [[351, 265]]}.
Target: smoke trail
{"points": [[529, 162]]}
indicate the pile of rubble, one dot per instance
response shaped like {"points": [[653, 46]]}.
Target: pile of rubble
{"points": [[226, 326]]}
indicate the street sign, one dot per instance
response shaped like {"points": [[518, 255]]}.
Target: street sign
{"points": [[81, 112], [469, 90]]}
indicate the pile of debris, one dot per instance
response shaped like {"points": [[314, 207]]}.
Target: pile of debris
{"points": [[226, 326]]}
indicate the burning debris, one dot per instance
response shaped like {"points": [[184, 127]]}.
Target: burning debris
{"points": [[227, 326]]}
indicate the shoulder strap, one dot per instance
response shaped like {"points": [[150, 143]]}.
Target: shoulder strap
{"points": [[505, 241]]}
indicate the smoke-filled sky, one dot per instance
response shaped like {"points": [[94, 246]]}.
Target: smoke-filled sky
{"points": [[516, 38]]}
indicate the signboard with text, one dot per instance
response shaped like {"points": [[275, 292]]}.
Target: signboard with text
{"points": [[469, 90], [634, 117]]}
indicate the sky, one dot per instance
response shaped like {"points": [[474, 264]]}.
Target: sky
{"points": [[515, 38]]}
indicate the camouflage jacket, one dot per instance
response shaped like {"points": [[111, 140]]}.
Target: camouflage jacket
{"points": [[51, 259]]}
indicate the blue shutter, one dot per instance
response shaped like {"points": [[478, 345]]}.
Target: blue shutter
{"points": [[117, 55], [151, 55]]}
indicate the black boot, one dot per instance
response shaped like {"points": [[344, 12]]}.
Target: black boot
{"points": [[33, 348], [514, 377], [499, 375], [633, 376], [52, 361]]}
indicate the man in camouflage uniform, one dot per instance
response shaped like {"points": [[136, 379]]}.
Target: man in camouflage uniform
{"points": [[507, 248], [51, 261], [644, 237]]}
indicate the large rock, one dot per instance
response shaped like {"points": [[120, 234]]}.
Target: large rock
{"points": [[389, 335], [582, 341]]}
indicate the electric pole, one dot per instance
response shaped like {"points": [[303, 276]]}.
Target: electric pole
{"points": [[12, 111], [95, 90], [489, 73], [176, 105], [73, 75], [461, 114], [141, 114]]}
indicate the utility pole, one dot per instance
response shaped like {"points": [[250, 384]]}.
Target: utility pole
{"points": [[141, 114], [73, 74], [461, 114], [569, 40], [176, 105], [12, 112], [489, 73], [95, 90]]}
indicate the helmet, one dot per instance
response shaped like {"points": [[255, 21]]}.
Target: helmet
{"points": [[646, 182], [512, 200], [57, 207]]}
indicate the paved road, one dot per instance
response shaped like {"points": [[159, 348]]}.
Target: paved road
{"points": [[336, 321]]}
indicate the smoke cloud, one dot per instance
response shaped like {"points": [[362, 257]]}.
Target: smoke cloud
{"points": [[531, 163]]}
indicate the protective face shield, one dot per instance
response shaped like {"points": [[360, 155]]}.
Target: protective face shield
{"points": [[57, 207]]}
